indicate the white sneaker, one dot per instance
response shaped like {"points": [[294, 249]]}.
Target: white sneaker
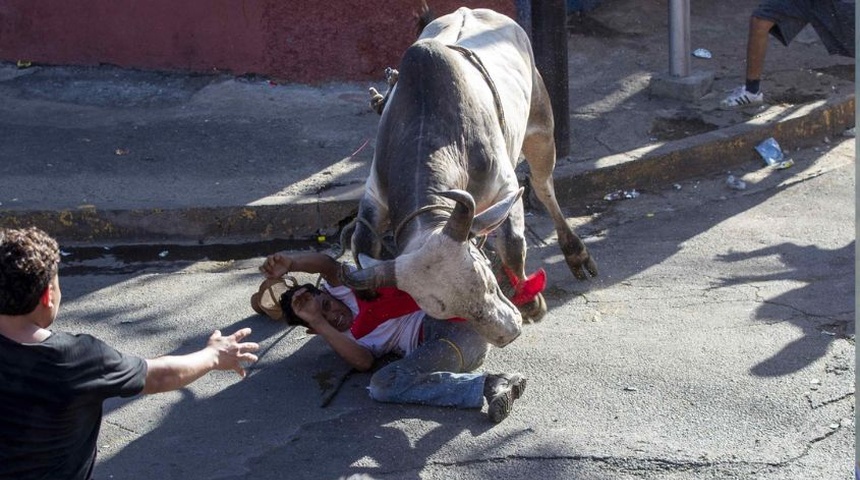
{"points": [[740, 97]]}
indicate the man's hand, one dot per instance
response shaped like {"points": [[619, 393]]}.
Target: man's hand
{"points": [[172, 372], [277, 265], [231, 352]]}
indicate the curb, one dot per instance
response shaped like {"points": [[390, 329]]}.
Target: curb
{"points": [[321, 217], [701, 155]]}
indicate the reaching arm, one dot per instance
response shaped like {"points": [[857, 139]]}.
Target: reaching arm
{"points": [[279, 264], [173, 372]]}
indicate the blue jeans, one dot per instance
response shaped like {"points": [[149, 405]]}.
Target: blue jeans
{"points": [[435, 373]]}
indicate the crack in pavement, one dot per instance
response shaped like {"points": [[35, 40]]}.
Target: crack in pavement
{"points": [[122, 427], [813, 406], [626, 464]]}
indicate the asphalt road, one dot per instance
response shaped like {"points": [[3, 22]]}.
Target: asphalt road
{"points": [[718, 343]]}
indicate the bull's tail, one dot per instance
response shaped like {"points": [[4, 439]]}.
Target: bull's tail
{"points": [[423, 17]]}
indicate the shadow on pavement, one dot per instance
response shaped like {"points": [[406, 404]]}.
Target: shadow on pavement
{"points": [[823, 273], [276, 412]]}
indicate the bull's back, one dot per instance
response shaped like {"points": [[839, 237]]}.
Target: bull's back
{"points": [[504, 49], [502, 45], [423, 140]]}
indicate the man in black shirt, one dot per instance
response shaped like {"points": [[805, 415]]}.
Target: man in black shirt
{"points": [[52, 384]]}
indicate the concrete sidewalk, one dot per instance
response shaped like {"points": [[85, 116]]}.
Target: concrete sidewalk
{"points": [[109, 156]]}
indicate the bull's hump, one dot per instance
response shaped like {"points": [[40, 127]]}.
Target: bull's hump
{"points": [[465, 22]]}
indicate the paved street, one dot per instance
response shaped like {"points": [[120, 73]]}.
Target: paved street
{"points": [[718, 343]]}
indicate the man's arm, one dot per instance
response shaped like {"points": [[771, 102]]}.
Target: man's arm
{"points": [[173, 372], [346, 347], [279, 264]]}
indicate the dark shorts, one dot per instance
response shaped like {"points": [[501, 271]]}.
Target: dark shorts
{"points": [[833, 21]]}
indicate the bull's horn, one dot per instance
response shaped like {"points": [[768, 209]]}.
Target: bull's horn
{"points": [[371, 278], [365, 261], [460, 223]]}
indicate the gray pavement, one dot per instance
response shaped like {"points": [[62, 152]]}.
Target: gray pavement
{"points": [[717, 344], [107, 156]]}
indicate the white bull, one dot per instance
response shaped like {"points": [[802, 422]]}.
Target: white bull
{"points": [[467, 103]]}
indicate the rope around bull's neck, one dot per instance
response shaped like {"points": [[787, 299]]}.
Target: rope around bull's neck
{"points": [[377, 236], [415, 213]]}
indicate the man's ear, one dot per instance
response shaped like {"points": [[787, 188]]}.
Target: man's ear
{"points": [[45, 299]]}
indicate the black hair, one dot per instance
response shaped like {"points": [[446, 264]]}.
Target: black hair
{"points": [[29, 260], [287, 303]]}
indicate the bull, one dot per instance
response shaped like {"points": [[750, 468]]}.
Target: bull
{"points": [[467, 103]]}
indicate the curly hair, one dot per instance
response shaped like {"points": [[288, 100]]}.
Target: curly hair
{"points": [[29, 260]]}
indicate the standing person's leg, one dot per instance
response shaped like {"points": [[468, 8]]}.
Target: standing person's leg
{"points": [[783, 19], [438, 373], [750, 92], [759, 32]]}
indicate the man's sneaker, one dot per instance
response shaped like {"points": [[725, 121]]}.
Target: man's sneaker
{"points": [[740, 97], [500, 392]]}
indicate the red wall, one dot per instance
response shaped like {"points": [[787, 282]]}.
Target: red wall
{"points": [[303, 41]]}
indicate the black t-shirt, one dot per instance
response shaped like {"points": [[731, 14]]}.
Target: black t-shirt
{"points": [[51, 396]]}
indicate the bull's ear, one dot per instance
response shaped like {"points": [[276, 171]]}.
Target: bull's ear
{"points": [[490, 219]]}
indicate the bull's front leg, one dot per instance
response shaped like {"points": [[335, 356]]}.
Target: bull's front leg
{"points": [[371, 220], [510, 244]]}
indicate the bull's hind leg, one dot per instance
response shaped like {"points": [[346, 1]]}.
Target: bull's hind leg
{"points": [[539, 150]]}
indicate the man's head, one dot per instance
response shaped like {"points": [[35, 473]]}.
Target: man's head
{"points": [[300, 301], [29, 262]]}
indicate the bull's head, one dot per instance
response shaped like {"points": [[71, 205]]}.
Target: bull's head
{"points": [[448, 276]]}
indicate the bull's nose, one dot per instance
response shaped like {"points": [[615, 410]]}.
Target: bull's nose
{"points": [[499, 330]]}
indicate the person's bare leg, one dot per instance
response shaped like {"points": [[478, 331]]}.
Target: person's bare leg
{"points": [[750, 93], [757, 47]]}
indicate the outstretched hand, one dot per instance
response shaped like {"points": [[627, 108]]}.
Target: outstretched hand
{"points": [[231, 351]]}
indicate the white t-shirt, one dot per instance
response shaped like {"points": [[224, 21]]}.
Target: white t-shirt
{"points": [[398, 335]]}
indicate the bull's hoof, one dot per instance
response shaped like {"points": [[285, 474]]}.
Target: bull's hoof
{"points": [[391, 76], [377, 101], [534, 310], [581, 268]]}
